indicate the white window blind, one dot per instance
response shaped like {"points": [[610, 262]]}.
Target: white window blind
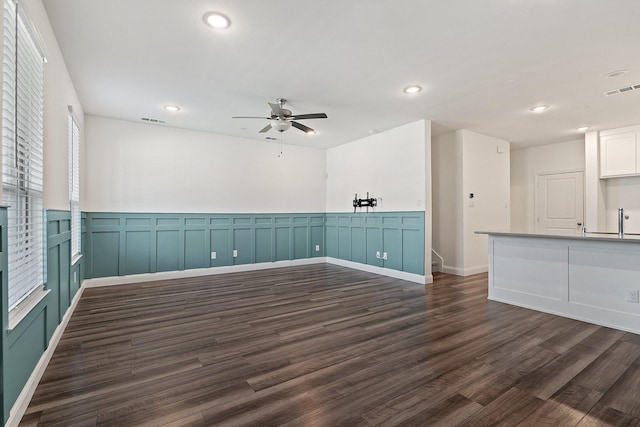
{"points": [[74, 183], [22, 153]]}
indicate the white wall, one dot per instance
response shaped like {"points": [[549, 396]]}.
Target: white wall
{"points": [[59, 95], [447, 206], [137, 167], [466, 162], [389, 165], [485, 173], [525, 163], [622, 193]]}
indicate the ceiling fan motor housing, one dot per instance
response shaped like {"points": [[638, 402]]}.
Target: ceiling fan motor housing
{"points": [[280, 125]]}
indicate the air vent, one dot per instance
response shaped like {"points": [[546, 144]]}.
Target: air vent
{"points": [[621, 90], [150, 120], [270, 138]]}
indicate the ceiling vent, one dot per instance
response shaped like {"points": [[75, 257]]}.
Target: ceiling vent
{"points": [[621, 90], [270, 138], [150, 120]]}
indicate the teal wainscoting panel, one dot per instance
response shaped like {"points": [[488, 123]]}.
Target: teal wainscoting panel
{"points": [[317, 240], [138, 250], [220, 245], [167, 253], [344, 242], [23, 345], [413, 251], [358, 245], [26, 344], [331, 232], [242, 245], [283, 243], [195, 252], [392, 245], [300, 242], [105, 253], [264, 243], [374, 246], [359, 236]]}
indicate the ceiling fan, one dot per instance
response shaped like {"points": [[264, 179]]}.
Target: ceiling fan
{"points": [[282, 118]]}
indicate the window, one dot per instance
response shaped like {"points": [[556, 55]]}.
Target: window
{"points": [[22, 153], [74, 184]]}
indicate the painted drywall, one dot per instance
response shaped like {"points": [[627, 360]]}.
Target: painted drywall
{"points": [[526, 163], [389, 165], [137, 167], [59, 94], [485, 174], [466, 162], [622, 193], [447, 206]]}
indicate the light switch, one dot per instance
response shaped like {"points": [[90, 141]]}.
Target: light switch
{"points": [[317, 248]]}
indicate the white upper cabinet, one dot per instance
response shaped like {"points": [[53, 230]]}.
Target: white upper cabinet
{"points": [[620, 153]]}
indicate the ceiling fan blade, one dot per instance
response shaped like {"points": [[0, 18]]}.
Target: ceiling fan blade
{"points": [[251, 117], [275, 108], [303, 128], [309, 116], [265, 129]]}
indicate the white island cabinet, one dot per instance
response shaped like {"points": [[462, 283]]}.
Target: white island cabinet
{"points": [[591, 278]]}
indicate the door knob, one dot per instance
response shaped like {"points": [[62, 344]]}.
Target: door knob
{"points": [[579, 224]]}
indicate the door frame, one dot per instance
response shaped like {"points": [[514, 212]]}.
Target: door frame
{"points": [[536, 193]]}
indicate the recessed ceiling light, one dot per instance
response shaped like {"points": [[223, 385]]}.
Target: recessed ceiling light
{"points": [[412, 89], [217, 20], [539, 108], [618, 73], [583, 128], [172, 108]]}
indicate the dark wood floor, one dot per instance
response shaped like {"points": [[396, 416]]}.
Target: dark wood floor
{"points": [[324, 345]]}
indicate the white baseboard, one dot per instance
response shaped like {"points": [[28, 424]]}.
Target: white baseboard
{"points": [[411, 277], [180, 274], [22, 402], [465, 271]]}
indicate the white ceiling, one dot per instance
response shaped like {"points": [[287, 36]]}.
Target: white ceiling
{"points": [[482, 64]]}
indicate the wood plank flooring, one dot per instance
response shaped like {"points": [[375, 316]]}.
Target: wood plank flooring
{"points": [[323, 345]]}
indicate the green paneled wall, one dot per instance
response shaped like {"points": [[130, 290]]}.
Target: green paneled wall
{"points": [[357, 237], [118, 244], [131, 243], [23, 345]]}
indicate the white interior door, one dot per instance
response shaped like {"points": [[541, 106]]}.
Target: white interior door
{"points": [[560, 203]]}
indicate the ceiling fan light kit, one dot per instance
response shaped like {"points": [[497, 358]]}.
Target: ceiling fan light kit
{"points": [[282, 119]]}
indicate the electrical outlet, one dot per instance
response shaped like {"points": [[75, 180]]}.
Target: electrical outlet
{"points": [[378, 254], [214, 255], [633, 295], [317, 248], [384, 255], [235, 253]]}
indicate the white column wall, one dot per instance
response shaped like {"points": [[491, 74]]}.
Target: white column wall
{"points": [[485, 173]]}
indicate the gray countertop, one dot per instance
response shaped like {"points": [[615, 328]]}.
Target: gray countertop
{"points": [[601, 237]]}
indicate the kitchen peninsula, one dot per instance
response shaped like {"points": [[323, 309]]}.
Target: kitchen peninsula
{"points": [[593, 277]]}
